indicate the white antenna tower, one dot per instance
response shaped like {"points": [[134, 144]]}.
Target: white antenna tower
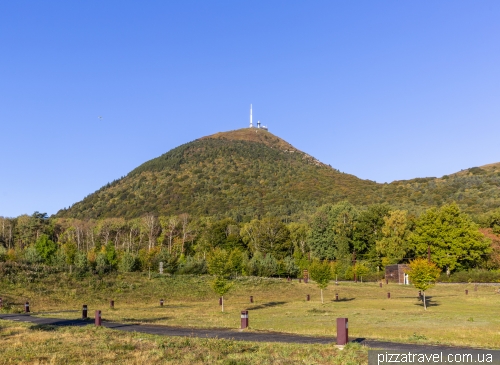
{"points": [[251, 124]]}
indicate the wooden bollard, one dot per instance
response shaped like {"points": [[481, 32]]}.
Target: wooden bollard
{"points": [[380, 284], [308, 297], [336, 297], [98, 319], [26, 307], [111, 303], [466, 292], [220, 301], [342, 331], [388, 295], [84, 311], [386, 281], [244, 319], [300, 280], [251, 298], [161, 302]]}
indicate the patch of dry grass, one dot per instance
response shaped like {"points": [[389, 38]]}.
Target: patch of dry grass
{"points": [[452, 318], [22, 343]]}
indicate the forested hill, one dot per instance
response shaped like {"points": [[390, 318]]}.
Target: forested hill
{"points": [[248, 173], [243, 174]]}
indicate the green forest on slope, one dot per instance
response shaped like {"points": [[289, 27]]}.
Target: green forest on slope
{"points": [[251, 173]]}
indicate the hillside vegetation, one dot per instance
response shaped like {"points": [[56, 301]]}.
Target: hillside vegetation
{"points": [[250, 173], [243, 174]]}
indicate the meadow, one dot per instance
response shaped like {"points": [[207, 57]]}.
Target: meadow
{"points": [[452, 318]]}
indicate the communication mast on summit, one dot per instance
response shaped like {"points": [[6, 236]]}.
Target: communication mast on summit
{"points": [[251, 124], [258, 123]]}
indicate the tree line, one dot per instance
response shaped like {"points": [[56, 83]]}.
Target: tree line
{"points": [[358, 241]]}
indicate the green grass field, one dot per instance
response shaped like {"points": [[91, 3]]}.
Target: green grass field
{"points": [[452, 317]]}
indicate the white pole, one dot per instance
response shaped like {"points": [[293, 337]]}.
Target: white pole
{"points": [[251, 124]]}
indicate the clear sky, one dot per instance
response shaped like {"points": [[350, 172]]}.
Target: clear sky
{"points": [[384, 90]]}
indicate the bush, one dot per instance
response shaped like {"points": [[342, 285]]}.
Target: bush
{"points": [[81, 263], [128, 263], [102, 264], [59, 259], [472, 276], [193, 265], [32, 256], [46, 248]]}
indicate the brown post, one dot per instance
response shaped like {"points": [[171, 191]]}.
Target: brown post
{"points": [[300, 280], [244, 319], [420, 295], [251, 298], [388, 295], [308, 297], [386, 281], [112, 304], [380, 285], [288, 278], [98, 319], [220, 301], [466, 292], [342, 331], [161, 302], [27, 307], [84, 311], [336, 297]]}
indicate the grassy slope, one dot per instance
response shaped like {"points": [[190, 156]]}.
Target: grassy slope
{"points": [[452, 318]]}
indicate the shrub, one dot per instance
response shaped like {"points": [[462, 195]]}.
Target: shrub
{"points": [[32, 256], [128, 263], [193, 265]]}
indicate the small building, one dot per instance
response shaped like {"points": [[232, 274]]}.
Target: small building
{"points": [[397, 274]]}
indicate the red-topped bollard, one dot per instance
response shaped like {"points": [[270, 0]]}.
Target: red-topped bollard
{"points": [[98, 319], [342, 331], [161, 302], [244, 319], [251, 298], [308, 297], [84, 311], [388, 295], [111, 303], [27, 307]]}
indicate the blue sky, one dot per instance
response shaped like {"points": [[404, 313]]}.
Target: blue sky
{"points": [[384, 90]]}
